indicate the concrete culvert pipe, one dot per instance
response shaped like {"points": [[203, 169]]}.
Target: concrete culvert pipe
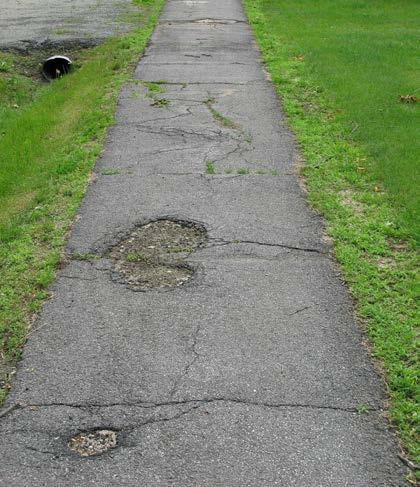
{"points": [[55, 67]]}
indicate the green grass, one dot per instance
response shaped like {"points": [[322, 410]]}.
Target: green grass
{"points": [[136, 256], [363, 55], [339, 67], [50, 136], [110, 172], [160, 102], [219, 117], [210, 168]]}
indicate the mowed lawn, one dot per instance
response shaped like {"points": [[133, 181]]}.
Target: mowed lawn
{"points": [[365, 54]]}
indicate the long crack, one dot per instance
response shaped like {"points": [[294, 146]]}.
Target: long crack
{"points": [[202, 401], [204, 21], [221, 242], [212, 135], [152, 120]]}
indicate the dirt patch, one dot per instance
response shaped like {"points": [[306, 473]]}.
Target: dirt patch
{"points": [[94, 443], [153, 255], [348, 199]]}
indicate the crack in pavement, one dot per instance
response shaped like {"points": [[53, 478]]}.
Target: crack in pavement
{"points": [[195, 356], [180, 115], [198, 402], [79, 278], [299, 311], [219, 242], [212, 135], [163, 151], [210, 83], [204, 21]]}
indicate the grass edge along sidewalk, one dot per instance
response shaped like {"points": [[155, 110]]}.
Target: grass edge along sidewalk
{"points": [[377, 259], [47, 150]]}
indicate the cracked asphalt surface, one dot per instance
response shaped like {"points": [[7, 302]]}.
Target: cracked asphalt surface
{"points": [[27, 23], [252, 373]]}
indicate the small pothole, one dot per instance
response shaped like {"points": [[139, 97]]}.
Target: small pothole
{"points": [[153, 255], [93, 443]]}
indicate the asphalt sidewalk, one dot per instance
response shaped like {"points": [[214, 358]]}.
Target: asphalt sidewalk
{"points": [[252, 373]]}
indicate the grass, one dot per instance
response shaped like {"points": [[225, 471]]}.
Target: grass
{"points": [[210, 168], [50, 136], [137, 256], [362, 409], [340, 67], [153, 89], [110, 172], [160, 102], [219, 117]]}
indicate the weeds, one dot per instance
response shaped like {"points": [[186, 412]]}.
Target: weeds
{"points": [[221, 119]]}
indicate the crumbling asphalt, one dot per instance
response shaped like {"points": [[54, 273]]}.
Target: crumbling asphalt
{"points": [[253, 373]]}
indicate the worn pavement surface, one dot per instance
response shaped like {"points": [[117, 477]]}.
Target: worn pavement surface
{"points": [[249, 375], [28, 23]]}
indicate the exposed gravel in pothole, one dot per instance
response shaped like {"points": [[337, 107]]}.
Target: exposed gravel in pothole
{"points": [[94, 443], [153, 256]]}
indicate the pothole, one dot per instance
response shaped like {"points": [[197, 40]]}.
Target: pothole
{"points": [[93, 443], [153, 255]]}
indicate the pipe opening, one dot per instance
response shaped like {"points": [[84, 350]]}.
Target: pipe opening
{"points": [[56, 67]]}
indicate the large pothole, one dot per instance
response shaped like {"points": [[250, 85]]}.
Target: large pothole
{"points": [[153, 255], [93, 443]]}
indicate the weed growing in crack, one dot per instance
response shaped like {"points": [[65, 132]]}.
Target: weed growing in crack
{"points": [[153, 88], [110, 172], [160, 103], [219, 117], [248, 138], [362, 409], [210, 169], [243, 171]]}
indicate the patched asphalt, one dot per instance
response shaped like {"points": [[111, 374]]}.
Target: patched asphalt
{"points": [[254, 372]]}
